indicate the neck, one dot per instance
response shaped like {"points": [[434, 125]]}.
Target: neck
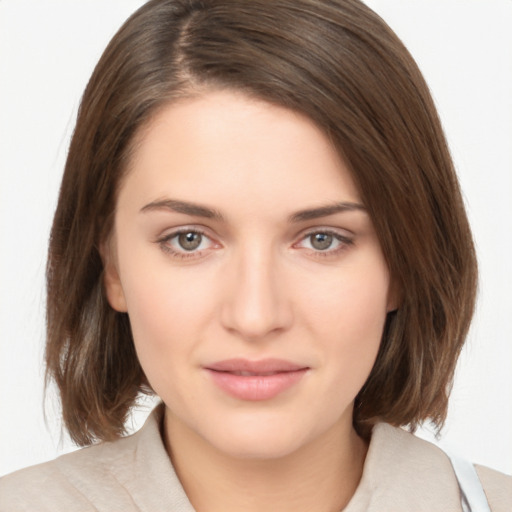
{"points": [[320, 476]]}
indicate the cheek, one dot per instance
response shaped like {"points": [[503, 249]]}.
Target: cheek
{"points": [[168, 309], [164, 310], [349, 316], [353, 302], [165, 322]]}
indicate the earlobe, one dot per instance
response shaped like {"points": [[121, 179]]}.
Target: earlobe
{"points": [[111, 280]]}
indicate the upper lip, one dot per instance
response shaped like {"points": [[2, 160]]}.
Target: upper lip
{"points": [[263, 366]]}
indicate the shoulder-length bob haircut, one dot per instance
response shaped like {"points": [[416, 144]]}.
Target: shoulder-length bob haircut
{"points": [[334, 61]]}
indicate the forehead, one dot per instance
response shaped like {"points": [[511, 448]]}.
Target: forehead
{"points": [[224, 147]]}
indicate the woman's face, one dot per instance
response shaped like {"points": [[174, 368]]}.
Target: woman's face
{"points": [[255, 285]]}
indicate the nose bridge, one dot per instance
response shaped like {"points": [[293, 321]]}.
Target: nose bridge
{"points": [[256, 302]]}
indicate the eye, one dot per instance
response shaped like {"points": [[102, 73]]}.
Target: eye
{"points": [[186, 243], [321, 241], [189, 241], [325, 242]]}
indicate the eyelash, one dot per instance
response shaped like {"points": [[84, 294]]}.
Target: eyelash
{"points": [[344, 243], [164, 243]]}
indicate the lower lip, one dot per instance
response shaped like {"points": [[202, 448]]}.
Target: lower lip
{"points": [[256, 387]]}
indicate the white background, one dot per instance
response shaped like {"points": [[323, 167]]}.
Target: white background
{"points": [[48, 49]]}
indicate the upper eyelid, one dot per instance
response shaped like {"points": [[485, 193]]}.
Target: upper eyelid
{"points": [[337, 236], [341, 232], [172, 232], [325, 230]]}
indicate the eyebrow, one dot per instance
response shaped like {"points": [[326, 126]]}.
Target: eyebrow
{"points": [[325, 211], [185, 207], [198, 210]]}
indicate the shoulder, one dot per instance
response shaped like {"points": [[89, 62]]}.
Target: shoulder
{"points": [[405, 472], [70, 482], [131, 474], [497, 487]]}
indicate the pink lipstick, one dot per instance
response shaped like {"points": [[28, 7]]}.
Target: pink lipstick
{"points": [[255, 380]]}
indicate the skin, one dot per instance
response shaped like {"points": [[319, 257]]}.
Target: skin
{"points": [[256, 287]]}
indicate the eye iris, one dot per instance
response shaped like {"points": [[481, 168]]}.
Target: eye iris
{"points": [[321, 241], [190, 241]]}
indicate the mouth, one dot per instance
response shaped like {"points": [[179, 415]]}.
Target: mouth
{"points": [[255, 380], [252, 374]]}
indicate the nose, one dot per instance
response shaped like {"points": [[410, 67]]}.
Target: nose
{"points": [[256, 304]]}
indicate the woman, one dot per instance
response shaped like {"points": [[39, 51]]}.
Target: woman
{"points": [[259, 222]]}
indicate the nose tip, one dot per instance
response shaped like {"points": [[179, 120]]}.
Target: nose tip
{"points": [[255, 304]]}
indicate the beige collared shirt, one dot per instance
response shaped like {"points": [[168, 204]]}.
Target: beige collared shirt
{"points": [[401, 474]]}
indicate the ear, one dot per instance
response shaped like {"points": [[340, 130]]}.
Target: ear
{"points": [[111, 280]]}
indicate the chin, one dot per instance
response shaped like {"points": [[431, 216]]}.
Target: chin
{"points": [[260, 439], [261, 448]]}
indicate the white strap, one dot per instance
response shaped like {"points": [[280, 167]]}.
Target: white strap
{"points": [[472, 493]]}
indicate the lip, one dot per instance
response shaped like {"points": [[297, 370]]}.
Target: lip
{"points": [[255, 380]]}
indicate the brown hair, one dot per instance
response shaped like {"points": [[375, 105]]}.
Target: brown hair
{"points": [[339, 64]]}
